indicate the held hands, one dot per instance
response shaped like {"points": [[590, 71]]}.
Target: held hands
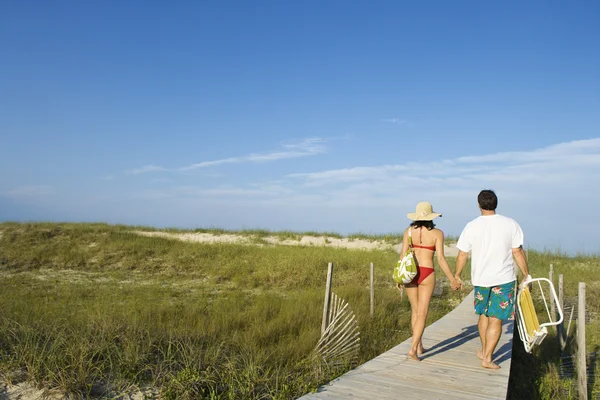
{"points": [[456, 283]]}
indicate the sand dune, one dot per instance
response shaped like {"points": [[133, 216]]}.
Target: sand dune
{"points": [[450, 249]]}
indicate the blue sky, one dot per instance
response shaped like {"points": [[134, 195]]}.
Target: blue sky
{"points": [[302, 115]]}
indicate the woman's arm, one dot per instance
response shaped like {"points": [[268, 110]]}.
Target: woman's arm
{"points": [[439, 249], [404, 242]]}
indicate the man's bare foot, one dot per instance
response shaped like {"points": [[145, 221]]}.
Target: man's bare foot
{"points": [[479, 353], [489, 365], [412, 355]]}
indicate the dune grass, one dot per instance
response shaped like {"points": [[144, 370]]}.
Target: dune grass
{"points": [[95, 310]]}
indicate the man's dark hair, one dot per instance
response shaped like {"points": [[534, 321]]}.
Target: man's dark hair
{"points": [[487, 200], [427, 224]]}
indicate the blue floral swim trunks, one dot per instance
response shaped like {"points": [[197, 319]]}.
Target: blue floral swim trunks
{"points": [[496, 301]]}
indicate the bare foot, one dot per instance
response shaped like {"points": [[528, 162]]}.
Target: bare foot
{"points": [[412, 355], [489, 365], [421, 350], [479, 353]]}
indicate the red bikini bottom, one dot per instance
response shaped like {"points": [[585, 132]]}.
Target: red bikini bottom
{"points": [[422, 273]]}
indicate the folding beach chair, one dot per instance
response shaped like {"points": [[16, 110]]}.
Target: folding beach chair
{"points": [[530, 330]]}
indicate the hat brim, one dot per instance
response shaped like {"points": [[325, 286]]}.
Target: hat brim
{"points": [[421, 217]]}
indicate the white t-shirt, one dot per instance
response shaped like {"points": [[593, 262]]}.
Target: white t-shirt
{"points": [[490, 239]]}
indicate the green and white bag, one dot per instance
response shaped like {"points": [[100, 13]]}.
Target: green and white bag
{"points": [[406, 268]]}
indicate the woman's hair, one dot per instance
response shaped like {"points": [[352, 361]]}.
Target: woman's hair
{"points": [[427, 224]]}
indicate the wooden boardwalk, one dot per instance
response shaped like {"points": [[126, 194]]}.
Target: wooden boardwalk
{"points": [[449, 369]]}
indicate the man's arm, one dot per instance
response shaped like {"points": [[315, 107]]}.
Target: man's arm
{"points": [[519, 255], [461, 261]]}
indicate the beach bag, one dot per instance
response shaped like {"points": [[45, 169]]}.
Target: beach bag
{"points": [[406, 268]]}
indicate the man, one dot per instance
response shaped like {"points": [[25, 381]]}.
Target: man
{"points": [[493, 240]]}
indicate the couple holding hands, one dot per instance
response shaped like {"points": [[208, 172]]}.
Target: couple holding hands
{"points": [[495, 243]]}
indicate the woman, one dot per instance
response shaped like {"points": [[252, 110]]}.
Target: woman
{"points": [[426, 240]]}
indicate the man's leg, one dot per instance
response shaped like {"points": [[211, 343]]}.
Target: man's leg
{"points": [[492, 336], [482, 325], [500, 307], [481, 303]]}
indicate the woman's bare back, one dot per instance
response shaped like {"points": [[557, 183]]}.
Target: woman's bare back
{"points": [[425, 242]]}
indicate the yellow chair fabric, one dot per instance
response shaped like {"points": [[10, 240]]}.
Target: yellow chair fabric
{"points": [[530, 318]]}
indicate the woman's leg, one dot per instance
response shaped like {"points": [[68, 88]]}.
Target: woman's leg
{"points": [[412, 292], [424, 293]]}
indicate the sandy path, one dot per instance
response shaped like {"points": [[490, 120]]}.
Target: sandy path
{"points": [[450, 250]]}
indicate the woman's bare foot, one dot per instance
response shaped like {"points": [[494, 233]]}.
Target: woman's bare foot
{"points": [[479, 353], [413, 355], [489, 365], [421, 350]]}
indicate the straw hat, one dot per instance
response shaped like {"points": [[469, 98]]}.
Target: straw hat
{"points": [[424, 212]]}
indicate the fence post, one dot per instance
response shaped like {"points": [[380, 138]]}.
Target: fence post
{"points": [[560, 331], [581, 361], [327, 302], [552, 304], [561, 291], [372, 291]]}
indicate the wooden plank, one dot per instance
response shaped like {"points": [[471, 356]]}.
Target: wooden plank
{"points": [[327, 301], [449, 370], [398, 389], [581, 354], [452, 384]]}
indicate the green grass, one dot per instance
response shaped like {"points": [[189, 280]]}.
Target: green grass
{"points": [[107, 310], [96, 310]]}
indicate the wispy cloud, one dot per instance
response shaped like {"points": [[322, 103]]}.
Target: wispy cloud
{"points": [[395, 121], [349, 174], [304, 148], [146, 169], [561, 151], [258, 192], [548, 164], [307, 147], [522, 173]]}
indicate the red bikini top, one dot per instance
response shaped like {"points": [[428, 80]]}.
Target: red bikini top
{"points": [[432, 248]]}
